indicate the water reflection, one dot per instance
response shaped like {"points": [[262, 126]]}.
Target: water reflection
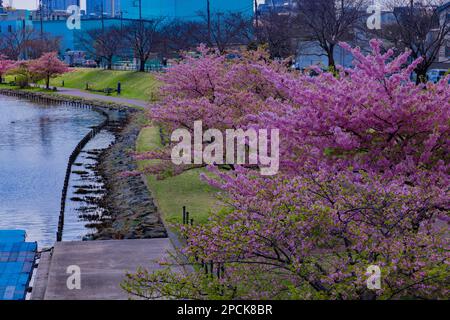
{"points": [[35, 143]]}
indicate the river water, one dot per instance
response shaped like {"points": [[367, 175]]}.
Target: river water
{"points": [[35, 144]]}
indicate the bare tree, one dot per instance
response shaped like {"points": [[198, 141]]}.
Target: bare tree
{"points": [[421, 28], [144, 37], [26, 43], [44, 43], [230, 29], [328, 22], [103, 43], [178, 35], [223, 31], [279, 31], [14, 43]]}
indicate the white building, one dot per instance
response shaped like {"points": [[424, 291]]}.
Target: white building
{"points": [[444, 53]]}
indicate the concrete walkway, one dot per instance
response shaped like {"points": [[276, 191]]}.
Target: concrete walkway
{"points": [[93, 96], [103, 265]]}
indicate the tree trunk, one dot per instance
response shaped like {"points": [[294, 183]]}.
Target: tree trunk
{"points": [[47, 83], [142, 65], [421, 76], [331, 61], [109, 64]]}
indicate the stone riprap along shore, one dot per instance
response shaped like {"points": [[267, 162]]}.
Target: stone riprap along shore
{"points": [[133, 213]]}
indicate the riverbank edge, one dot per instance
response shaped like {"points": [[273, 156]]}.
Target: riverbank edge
{"points": [[55, 97], [132, 210]]}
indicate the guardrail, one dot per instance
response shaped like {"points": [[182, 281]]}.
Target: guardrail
{"points": [[210, 268]]}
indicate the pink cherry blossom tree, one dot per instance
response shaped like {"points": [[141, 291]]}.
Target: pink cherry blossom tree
{"points": [[47, 67], [363, 182]]}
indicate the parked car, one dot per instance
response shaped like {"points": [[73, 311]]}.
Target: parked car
{"points": [[90, 64], [435, 75]]}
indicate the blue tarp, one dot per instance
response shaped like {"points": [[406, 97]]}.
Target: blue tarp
{"points": [[17, 259], [12, 236]]}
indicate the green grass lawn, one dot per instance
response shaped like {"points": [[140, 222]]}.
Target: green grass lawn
{"points": [[135, 85], [175, 192]]}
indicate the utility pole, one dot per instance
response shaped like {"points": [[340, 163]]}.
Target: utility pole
{"points": [[208, 12], [256, 11], [256, 20], [102, 17], [41, 13], [219, 29]]}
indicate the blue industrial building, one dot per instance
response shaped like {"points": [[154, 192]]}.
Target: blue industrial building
{"points": [[11, 21], [115, 12], [68, 37], [183, 9], [133, 9]]}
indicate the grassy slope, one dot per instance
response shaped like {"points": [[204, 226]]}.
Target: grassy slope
{"points": [[135, 85], [175, 192]]}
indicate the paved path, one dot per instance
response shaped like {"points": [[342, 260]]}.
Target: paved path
{"points": [[103, 265], [88, 95]]}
